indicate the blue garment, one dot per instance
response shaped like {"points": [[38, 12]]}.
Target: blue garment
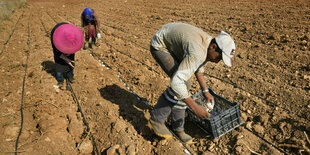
{"points": [[88, 14]]}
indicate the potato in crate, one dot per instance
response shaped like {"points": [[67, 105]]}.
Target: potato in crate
{"points": [[225, 115]]}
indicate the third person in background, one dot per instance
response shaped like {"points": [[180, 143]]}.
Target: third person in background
{"points": [[90, 25]]}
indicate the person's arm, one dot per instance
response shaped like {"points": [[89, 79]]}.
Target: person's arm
{"points": [[97, 21], [67, 60], [185, 70], [82, 21], [84, 27], [202, 82]]}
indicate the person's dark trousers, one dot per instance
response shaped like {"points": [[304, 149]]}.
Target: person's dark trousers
{"points": [[60, 76], [164, 108]]}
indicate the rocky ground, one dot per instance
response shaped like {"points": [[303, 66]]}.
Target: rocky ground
{"points": [[271, 78]]}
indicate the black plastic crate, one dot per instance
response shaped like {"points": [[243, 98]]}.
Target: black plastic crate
{"points": [[225, 115]]}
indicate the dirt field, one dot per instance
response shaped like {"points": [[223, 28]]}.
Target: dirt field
{"points": [[272, 63]]}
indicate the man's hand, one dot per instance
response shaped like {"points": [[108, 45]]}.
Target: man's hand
{"points": [[67, 60], [209, 97], [200, 111]]}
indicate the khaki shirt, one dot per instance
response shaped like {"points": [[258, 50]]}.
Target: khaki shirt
{"points": [[188, 45]]}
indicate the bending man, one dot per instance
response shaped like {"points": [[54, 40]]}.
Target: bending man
{"points": [[182, 50]]}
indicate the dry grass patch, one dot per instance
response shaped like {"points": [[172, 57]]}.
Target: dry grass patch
{"points": [[7, 7]]}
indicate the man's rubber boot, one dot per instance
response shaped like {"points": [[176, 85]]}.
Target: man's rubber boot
{"points": [[184, 137], [160, 129]]}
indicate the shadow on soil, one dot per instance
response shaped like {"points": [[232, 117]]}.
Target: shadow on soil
{"points": [[49, 67], [130, 108]]}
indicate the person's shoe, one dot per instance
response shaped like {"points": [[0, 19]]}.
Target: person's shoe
{"points": [[184, 137], [160, 129], [71, 79], [95, 42], [60, 85], [68, 86]]}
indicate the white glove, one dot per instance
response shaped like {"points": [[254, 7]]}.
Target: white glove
{"points": [[98, 36], [210, 106]]}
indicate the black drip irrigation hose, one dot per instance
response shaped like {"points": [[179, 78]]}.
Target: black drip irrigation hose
{"points": [[22, 99], [23, 88], [11, 33], [186, 150], [279, 149], [268, 101], [76, 100], [84, 119]]}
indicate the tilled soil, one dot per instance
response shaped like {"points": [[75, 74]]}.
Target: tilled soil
{"points": [[270, 78]]}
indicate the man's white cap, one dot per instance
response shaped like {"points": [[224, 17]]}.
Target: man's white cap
{"points": [[227, 45]]}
